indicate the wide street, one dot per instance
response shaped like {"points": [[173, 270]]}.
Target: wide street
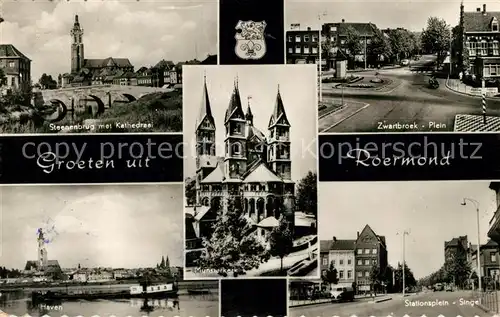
{"points": [[447, 304], [407, 101]]}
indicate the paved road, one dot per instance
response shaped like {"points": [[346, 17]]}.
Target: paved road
{"points": [[407, 101], [449, 304]]}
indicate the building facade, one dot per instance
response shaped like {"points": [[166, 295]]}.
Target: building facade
{"points": [[342, 255], [85, 72], [16, 66], [302, 47], [371, 254], [481, 34]]}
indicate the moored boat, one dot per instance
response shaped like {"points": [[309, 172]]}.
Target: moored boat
{"points": [[135, 291]]}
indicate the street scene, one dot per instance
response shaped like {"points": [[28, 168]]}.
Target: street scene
{"points": [[251, 194], [80, 68], [431, 70], [424, 261], [97, 250]]}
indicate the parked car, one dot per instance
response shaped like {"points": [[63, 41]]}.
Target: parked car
{"points": [[341, 294], [448, 288], [405, 62], [438, 287]]}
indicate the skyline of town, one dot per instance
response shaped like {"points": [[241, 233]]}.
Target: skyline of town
{"points": [[94, 226], [423, 209], [188, 31], [411, 15], [261, 84]]}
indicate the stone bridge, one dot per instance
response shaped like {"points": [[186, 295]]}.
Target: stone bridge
{"points": [[92, 99]]}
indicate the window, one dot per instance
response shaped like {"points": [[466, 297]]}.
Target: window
{"points": [[306, 38], [472, 46], [297, 38], [333, 39], [493, 256], [368, 41], [494, 48], [290, 38], [374, 262], [349, 261], [333, 262], [494, 26], [374, 251], [325, 261], [12, 81], [315, 50], [306, 49], [367, 262], [341, 274], [349, 274], [341, 262], [342, 42], [333, 29], [290, 50], [297, 51], [236, 148], [367, 251], [483, 48], [360, 262], [360, 251], [367, 274], [360, 274], [12, 64], [315, 38]]}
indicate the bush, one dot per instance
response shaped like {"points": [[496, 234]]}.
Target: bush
{"points": [[360, 86]]}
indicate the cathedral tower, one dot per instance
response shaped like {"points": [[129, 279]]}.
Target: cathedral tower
{"points": [[206, 159], [279, 140], [42, 252], [235, 159], [77, 56]]}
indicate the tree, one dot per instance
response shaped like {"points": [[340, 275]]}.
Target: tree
{"points": [[190, 191], [375, 276], [436, 38], [457, 268], [352, 44], [327, 46], [281, 241], [47, 82], [3, 77], [402, 43], [232, 247], [330, 275], [409, 278], [307, 194], [379, 46]]}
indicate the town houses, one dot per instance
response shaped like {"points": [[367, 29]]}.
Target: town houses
{"points": [[354, 259], [16, 67]]}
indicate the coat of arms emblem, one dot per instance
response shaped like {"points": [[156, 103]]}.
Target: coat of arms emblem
{"points": [[250, 39]]}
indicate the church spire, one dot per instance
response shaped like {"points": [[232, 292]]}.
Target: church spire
{"points": [[279, 111], [234, 107], [249, 114], [205, 109]]}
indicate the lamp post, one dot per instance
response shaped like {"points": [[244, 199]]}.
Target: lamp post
{"points": [[478, 258], [404, 234], [320, 71]]}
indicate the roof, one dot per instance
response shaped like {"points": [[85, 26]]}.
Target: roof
{"points": [[490, 244], [210, 161], [190, 232], [269, 222], [234, 107], [201, 211], [205, 109], [380, 239], [347, 245], [304, 220], [479, 21], [456, 242], [261, 174], [278, 112], [324, 246], [107, 62], [363, 29], [9, 50], [210, 60], [216, 176]]}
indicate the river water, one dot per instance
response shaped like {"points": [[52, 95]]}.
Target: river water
{"points": [[19, 304]]}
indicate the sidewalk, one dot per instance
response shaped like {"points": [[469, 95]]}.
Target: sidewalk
{"points": [[457, 86], [308, 302]]}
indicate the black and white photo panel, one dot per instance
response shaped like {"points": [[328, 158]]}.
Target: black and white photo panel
{"points": [[250, 171], [87, 67], [97, 251]]}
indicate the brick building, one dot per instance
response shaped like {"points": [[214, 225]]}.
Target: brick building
{"points": [[371, 251], [481, 33], [16, 66], [302, 47]]}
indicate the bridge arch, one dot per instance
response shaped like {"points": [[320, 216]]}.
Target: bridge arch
{"points": [[100, 105], [129, 97], [61, 111]]}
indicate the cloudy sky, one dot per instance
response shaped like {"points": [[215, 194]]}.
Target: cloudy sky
{"points": [[430, 211], [109, 226], [261, 84], [145, 31], [409, 14]]}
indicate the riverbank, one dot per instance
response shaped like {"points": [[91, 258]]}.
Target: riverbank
{"points": [[113, 285]]}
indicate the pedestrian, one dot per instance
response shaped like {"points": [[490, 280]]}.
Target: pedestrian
{"points": [[460, 76]]}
